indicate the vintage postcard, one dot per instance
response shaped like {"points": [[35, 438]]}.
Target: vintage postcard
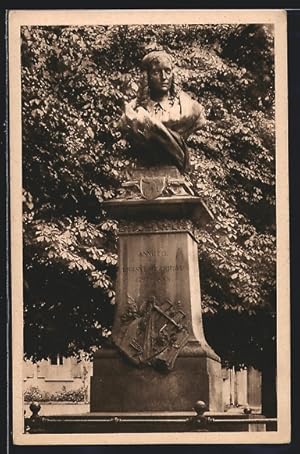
{"points": [[149, 226]]}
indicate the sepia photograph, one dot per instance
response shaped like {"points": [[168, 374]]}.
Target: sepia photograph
{"points": [[149, 226]]}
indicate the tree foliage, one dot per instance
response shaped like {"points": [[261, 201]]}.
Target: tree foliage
{"points": [[74, 84]]}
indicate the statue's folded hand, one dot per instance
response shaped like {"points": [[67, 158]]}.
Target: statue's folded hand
{"points": [[141, 122], [129, 111]]}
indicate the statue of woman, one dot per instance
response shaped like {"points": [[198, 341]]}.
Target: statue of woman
{"points": [[161, 118]]}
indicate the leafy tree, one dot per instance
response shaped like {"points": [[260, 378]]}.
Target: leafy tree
{"points": [[74, 84]]}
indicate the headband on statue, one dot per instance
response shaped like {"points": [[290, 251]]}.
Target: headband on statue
{"points": [[156, 56]]}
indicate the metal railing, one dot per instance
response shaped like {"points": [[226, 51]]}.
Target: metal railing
{"points": [[200, 422]]}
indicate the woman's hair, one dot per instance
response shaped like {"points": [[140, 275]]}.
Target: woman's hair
{"points": [[143, 94]]}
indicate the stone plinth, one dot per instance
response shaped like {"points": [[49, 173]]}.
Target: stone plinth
{"points": [[161, 360], [118, 386]]}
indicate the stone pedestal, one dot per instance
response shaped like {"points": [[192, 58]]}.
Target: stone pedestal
{"points": [[161, 361]]}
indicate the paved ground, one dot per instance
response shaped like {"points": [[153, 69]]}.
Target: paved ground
{"points": [[48, 409], [240, 410]]}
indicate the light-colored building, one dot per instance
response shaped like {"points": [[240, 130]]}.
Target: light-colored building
{"points": [[58, 375], [242, 388]]}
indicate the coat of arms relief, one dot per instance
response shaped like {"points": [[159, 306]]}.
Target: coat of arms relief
{"points": [[153, 332]]}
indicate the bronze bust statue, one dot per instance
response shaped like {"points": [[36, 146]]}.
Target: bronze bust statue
{"points": [[161, 117]]}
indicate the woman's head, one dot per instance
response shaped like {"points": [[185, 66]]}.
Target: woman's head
{"points": [[155, 57], [158, 77]]}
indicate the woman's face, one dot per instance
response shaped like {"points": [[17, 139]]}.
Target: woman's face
{"points": [[160, 77]]}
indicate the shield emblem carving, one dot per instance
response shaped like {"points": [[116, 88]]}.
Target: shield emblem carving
{"points": [[152, 334], [153, 187]]}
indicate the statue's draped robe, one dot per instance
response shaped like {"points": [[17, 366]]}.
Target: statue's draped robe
{"points": [[160, 128]]}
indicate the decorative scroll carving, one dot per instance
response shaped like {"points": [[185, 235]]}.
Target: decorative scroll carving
{"points": [[156, 225], [144, 184]]}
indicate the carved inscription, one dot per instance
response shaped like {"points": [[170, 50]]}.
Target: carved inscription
{"points": [[153, 253], [153, 268], [158, 273]]}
